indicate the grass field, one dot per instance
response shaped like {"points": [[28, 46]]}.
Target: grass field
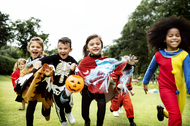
{"points": [[144, 108]]}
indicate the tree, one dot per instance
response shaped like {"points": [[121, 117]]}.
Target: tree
{"points": [[6, 33], [25, 30], [133, 35]]}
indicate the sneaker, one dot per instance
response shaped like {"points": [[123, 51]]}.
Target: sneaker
{"points": [[115, 113], [132, 124], [120, 110], [70, 118], [166, 114], [160, 114], [64, 123]]}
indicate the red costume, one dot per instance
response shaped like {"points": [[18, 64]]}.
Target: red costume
{"points": [[125, 100], [15, 76], [174, 72]]}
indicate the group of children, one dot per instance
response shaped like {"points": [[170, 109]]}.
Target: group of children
{"points": [[169, 35]]}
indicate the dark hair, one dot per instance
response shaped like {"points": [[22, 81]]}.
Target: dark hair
{"points": [[85, 52], [157, 33], [65, 40]]}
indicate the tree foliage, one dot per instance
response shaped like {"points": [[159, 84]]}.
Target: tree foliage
{"points": [[133, 36], [25, 30], [6, 33]]}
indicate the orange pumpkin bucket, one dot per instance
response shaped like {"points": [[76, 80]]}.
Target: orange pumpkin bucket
{"points": [[74, 83]]}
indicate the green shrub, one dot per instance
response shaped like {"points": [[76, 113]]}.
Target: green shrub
{"points": [[6, 65]]}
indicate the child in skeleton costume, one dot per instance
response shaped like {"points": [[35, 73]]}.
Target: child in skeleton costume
{"points": [[62, 63]]}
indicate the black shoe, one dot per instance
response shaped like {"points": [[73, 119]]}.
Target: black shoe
{"points": [[160, 114], [87, 123], [132, 124]]}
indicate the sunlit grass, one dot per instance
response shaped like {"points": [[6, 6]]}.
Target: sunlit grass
{"points": [[144, 108]]}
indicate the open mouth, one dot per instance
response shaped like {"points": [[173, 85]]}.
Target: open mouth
{"points": [[35, 53], [95, 50], [174, 42], [63, 55]]}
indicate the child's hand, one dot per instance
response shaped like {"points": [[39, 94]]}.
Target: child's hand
{"points": [[73, 66], [119, 86], [145, 88], [135, 80], [132, 92], [132, 60]]}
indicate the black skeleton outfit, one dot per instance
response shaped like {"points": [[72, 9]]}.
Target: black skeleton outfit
{"points": [[62, 71]]}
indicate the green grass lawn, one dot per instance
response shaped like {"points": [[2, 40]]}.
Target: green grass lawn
{"points": [[144, 109]]}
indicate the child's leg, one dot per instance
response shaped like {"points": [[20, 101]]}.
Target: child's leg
{"points": [[59, 108], [30, 112], [101, 102], [46, 112], [170, 101], [86, 101], [115, 103], [127, 104], [23, 104]]}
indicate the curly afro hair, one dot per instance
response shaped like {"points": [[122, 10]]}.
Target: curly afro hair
{"points": [[157, 32]]}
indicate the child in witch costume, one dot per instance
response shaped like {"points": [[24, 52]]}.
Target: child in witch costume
{"points": [[19, 65], [36, 48], [171, 38], [97, 72], [64, 66]]}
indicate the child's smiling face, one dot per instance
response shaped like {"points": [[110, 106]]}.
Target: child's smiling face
{"points": [[94, 46], [63, 50], [173, 39], [21, 65], [35, 49]]}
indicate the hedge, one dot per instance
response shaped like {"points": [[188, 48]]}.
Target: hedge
{"points": [[6, 65]]}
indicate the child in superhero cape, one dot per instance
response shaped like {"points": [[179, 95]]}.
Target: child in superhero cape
{"points": [[171, 38], [19, 65], [97, 71], [64, 66]]}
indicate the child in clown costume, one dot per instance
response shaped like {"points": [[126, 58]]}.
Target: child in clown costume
{"points": [[171, 38]]}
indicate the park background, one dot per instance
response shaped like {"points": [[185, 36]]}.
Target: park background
{"points": [[130, 39]]}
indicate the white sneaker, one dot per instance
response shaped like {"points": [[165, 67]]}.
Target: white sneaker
{"points": [[115, 113], [70, 118], [120, 110], [64, 123]]}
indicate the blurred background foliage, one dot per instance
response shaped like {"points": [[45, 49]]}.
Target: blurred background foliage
{"points": [[132, 40]]}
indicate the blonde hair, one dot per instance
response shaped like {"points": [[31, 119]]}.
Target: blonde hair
{"points": [[39, 41], [17, 63]]}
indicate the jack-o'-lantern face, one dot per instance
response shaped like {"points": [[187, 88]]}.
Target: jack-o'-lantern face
{"points": [[74, 83]]}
